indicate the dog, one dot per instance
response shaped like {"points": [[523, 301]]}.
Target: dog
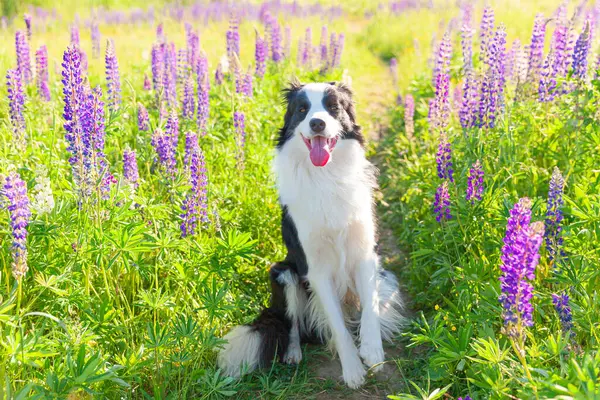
{"points": [[330, 286]]}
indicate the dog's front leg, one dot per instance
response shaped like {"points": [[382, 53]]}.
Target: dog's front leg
{"points": [[352, 368], [371, 348]]}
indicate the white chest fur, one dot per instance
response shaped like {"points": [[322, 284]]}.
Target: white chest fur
{"points": [[331, 206]]}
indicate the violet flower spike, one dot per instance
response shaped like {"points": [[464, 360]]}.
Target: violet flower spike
{"points": [[554, 216], [239, 123], [195, 205], [188, 102], [16, 100], [130, 168], [15, 190], [260, 56], [475, 183], [143, 119], [23, 58], [441, 205], [561, 304], [580, 55], [113, 79], [41, 61], [520, 256], [444, 160]]}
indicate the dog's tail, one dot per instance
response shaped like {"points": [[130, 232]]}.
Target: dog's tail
{"points": [[390, 305], [256, 345]]}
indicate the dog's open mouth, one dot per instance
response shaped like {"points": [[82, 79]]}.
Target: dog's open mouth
{"points": [[320, 149]]}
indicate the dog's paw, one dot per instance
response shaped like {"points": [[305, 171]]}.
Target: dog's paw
{"points": [[293, 355], [372, 356], [354, 374]]}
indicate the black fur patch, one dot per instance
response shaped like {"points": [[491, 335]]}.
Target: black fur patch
{"points": [[295, 255]]}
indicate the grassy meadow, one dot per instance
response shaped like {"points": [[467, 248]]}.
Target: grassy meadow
{"points": [[111, 300]]}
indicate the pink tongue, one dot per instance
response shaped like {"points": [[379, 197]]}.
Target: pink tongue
{"points": [[319, 153]]}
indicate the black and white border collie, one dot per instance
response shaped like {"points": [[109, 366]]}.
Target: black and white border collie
{"points": [[330, 286]]}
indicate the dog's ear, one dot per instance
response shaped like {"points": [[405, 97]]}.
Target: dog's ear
{"points": [[348, 99], [293, 87], [344, 88]]}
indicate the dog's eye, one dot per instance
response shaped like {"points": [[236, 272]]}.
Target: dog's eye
{"points": [[333, 107], [302, 110]]}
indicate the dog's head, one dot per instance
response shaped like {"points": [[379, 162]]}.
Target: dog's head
{"points": [[320, 114]]}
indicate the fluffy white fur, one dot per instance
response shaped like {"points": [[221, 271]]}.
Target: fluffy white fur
{"points": [[331, 207], [242, 351]]}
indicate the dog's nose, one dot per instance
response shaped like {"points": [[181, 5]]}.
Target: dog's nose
{"points": [[317, 125]]}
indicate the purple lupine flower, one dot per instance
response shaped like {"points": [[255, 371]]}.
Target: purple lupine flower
{"points": [[113, 78], [440, 107], [307, 48], [580, 55], [337, 51], [130, 168], [160, 36], [158, 66], [547, 85], [147, 83], [163, 145], [239, 81], [260, 55], [444, 160], [79, 142], [512, 61], [333, 40], [239, 123], [27, 19], [75, 35], [467, 397], [143, 119], [203, 95], [183, 69], [520, 256], [188, 103], [170, 74], [469, 109], [554, 215], [442, 58], [536, 48], [274, 31], [195, 205], [558, 45], [191, 145], [475, 183], [23, 59], [92, 121], [287, 42], [394, 71], [95, 33], [233, 40], [409, 112], [466, 43], [324, 58], [561, 304], [41, 60], [172, 128], [15, 190], [441, 205], [16, 99], [219, 76], [247, 85], [193, 47], [492, 86], [485, 33]]}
